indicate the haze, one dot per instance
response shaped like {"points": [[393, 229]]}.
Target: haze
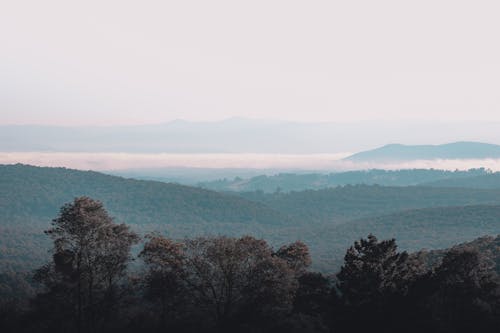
{"points": [[125, 62]]}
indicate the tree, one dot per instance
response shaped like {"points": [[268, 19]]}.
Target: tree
{"points": [[374, 283], [372, 268], [467, 292], [90, 256], [239, 279], [233, 281], [164, 280], [296, 256], [313, 294]]}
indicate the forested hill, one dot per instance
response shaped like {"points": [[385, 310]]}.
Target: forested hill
{"points": [[488, 246], [286, 182], [30, 194], [486, 181], [328, 220], [429, 227], [339, 204]]}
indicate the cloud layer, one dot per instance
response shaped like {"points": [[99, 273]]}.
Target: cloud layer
{"points": [[324, 162]]}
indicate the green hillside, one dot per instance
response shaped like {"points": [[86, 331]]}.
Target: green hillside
{"points": [[286, 182], [488, 181], [428, 228], [29, 194], [30, 197], [327, 220], [487, 245], [344, 203]]}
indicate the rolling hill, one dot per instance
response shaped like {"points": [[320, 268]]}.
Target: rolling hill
{"points": [[487, 181], [327, 220], [430, 227], [286, 182], [336, 205], [414, 230], [30, 197], [30, 193]]}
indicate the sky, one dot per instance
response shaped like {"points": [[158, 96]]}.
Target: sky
{"points": [[141, 62]]}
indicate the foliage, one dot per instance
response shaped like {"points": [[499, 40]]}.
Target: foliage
{"points": [[230, 281], [287, 182], [228, 284], [381, 287], [327, 220], [90, 256], [33, 194]]}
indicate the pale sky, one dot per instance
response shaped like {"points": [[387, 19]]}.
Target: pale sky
{"points": [[135, 62]]}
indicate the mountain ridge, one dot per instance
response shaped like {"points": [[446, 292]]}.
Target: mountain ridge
{"points": [[454, 150], [235, 135]]}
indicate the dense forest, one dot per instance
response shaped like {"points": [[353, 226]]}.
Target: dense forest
{"points": [[328, 220], [486, 181], [29, 193], [287, 182], [243, 284], [349, 202]]}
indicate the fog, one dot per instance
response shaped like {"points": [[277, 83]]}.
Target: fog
{"points": [[278, 162]]}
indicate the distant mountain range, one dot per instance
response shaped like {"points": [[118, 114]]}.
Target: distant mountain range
{"points": [[240, 135], [456, 150], [235, 135]]}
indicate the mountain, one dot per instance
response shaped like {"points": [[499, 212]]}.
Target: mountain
{"points": [[399, 153], [236, 135]]}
